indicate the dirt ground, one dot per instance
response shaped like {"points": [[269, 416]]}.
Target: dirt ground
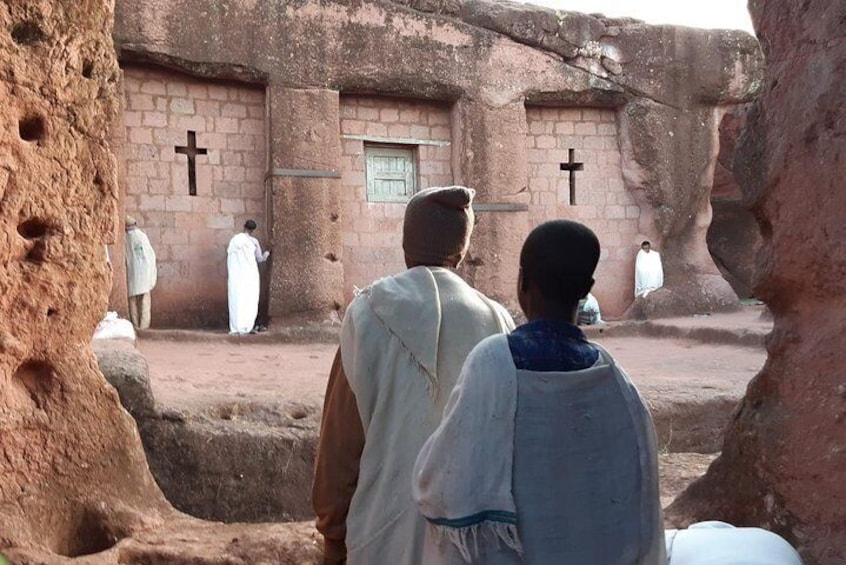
{"points": [[190, 376], [214, 374]]}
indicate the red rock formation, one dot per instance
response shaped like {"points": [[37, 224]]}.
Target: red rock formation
{"points": [[784, 461], [73, 477], [734, 238]]}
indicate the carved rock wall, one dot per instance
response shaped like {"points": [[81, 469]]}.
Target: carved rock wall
{"points": [[487, 61], [783, 465], [62, 431]]}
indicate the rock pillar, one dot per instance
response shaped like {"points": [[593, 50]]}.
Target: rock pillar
{"points": [[306, 275], [490, 155], [668, 163], [783, 464]]}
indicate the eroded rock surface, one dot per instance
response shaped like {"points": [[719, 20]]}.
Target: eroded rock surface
{"points": [[73, 477], [734, 238], [783, 465]]}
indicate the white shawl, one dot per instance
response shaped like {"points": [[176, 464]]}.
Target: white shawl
{"points": [[463, 477], [649, 273], [403, 342], [141, 270]]}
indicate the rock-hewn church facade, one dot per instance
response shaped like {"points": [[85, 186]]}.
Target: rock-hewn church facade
{"points": [[319, 119]]}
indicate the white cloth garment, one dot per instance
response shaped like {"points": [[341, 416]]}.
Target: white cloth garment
{"points": [[718, 543], [242, 258], [540, 468], [140, 263], [403, 342], [649, 273], [591, 307]]}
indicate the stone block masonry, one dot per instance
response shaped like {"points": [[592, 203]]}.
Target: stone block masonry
{"points": [[602, 201], [372, 231], [190, 232]]}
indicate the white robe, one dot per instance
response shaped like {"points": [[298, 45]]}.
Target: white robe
{"points": [[141, 270], [243, 256], [649, 274], [403, 342]]}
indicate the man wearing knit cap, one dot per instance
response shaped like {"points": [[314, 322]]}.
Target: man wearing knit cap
{"points": [[140, 273], [403, 342]]}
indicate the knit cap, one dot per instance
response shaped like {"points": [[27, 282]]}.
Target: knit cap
{"points": [[437, 226]]}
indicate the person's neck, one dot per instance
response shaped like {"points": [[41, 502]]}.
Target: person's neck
{"points": [[556, 314]]}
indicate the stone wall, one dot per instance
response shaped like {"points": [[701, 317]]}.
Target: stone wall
{"points": [[602, 201], [190, 233], [372, 231], [486, 62]]}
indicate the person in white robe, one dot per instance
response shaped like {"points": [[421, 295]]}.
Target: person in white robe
{"points": [[649, 273], [141, 273], [243, 254], [403, 341]]}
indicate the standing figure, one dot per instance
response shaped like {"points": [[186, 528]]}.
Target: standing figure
{"points": [[649, 274], [546, 452], [242, 258], [141, 273], [403, 341]]}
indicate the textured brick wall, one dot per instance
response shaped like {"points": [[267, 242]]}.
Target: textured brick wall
{"points": [[603, 203], [189, 233], [372, 231]]}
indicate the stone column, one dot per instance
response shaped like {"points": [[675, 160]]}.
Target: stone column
{"points": [[306, 275], [490, 155], [669, 156]]}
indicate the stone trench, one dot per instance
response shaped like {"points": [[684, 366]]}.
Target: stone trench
{"points": [[253, 460]]}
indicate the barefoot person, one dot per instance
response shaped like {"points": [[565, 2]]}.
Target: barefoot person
{"points": [[243, 256], [546, 452], [403, 341]]}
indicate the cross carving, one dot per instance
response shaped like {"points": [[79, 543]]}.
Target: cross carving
{"points": [[572, 166], [191, 151]]}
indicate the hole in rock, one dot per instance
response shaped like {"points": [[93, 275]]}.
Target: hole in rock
{"points": [[334, 216], [38, 378], [32, 128], [27, 33], [88, 68], [34, 228], [331, 257], [51, 312], [88, 535], [298, 413]]}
